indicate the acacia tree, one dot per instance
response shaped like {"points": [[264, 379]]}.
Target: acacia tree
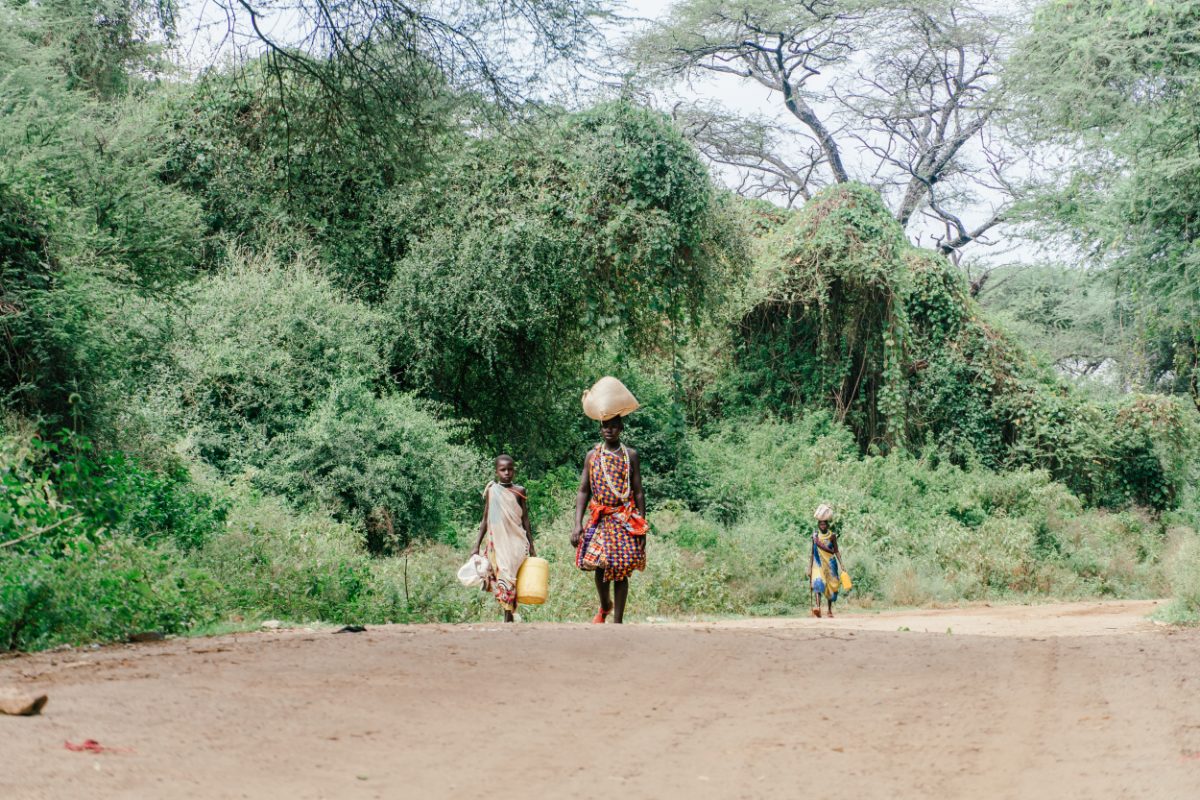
{"points": [[902, 96], [1114, 86], [399, 53]]}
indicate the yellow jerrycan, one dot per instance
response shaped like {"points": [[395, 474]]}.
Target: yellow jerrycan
{"points": [[847, 584], [533, 581]]}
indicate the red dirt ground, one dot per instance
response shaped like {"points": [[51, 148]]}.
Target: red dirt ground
{"points": [[1083, 700]]}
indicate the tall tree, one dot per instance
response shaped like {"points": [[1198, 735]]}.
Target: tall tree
{"points": [[366, 49], [106, 47], [1115, 86], [1069, 316], [87, 228], [902, 96], [526, 253]]}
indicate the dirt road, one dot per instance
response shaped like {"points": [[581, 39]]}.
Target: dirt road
{"points": [[1070, 701]]}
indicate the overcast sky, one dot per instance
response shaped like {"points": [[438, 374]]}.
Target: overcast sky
{"points": [[207, 38]]}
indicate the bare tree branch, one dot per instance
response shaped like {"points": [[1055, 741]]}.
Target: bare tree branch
{"points": [[783, 53], [910, 88], [385, 48]]}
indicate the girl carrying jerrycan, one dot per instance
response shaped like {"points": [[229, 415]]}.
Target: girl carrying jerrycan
{"points": [[509, 539]]}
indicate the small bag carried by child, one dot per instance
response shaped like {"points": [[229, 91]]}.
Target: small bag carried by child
{"points": [[473, 573]]}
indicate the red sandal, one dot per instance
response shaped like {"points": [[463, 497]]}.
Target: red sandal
{"points": [[600, 616]]}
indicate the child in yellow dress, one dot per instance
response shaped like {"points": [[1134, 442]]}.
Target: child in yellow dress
{"points": [[824, 562]]}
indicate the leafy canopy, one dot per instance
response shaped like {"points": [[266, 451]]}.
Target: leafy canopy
{"points": [[528, 250], [1117, 83]]}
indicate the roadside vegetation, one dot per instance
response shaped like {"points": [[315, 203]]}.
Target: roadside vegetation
{"points": [[263, 329]]}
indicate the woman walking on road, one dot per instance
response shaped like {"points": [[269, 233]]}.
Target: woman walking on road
{"points": [[610, 525]]}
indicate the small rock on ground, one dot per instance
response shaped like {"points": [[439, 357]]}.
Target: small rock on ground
{"points": [[19, 703]]}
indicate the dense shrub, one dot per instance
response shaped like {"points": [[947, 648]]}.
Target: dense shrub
{"points": [[851, 318], [277, 168], [267, 343], [66, 489], [284, 377], [1184, 575], [383, 462], [92, 546], [100, 588], [912, 531], [86, 229]]}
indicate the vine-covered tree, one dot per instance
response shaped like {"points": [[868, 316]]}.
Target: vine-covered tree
{"points": [[527, 252]]}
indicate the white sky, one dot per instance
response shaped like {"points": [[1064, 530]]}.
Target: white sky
{"points": [[207, 37]]}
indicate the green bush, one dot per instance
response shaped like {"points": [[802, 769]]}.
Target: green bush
{"points": [[99, 589], [273, 562], [87, 230], [912, 531], [1183, 569], [527, 252], [267, 344], [385, 463], [850, 318], [274, 169], [62, 489], [95, 547]]}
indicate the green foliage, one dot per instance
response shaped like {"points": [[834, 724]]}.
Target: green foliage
{"points": [[279, 168], [280, 308], [1184, 575], [383, 462], [266, 345], [852, 319], [91, 590], [911, 531], [549, 493], [60, 489], [86, 232], [93, 546], [848, 313], [283, 375], [109, 492], [1116, 82], [273, 562], [30, 506], [105, 47], [1067, 316], [529, 250]]}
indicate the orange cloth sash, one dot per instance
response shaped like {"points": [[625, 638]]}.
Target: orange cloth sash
{"points": [[627, 514]]}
